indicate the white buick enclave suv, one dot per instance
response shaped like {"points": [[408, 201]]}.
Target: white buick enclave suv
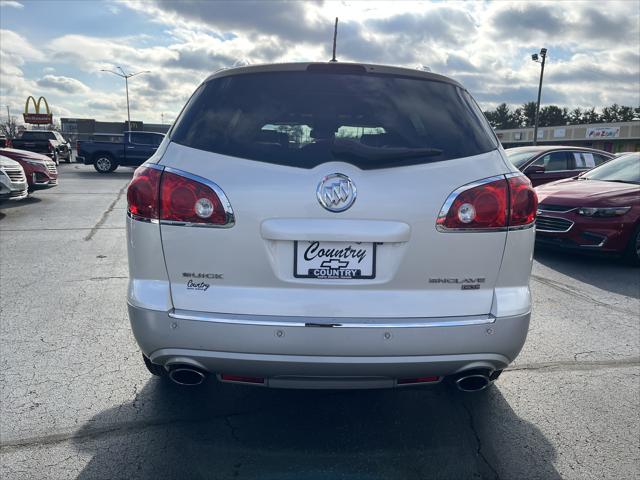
{"points": [[335, 225]]}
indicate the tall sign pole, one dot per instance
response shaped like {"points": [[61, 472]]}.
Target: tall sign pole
{"points": [[126, 77], [543, 54], [126, 86]]}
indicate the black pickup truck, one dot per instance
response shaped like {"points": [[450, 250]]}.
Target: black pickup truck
{"points": [[46, 142], [135, 148]]}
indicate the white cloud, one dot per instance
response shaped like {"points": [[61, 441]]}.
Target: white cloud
{"points": [[11, 3], [14, 43], [62, 84]]}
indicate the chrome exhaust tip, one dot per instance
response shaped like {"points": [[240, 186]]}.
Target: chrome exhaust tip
{"points": [[472, 381], [186, 375]]}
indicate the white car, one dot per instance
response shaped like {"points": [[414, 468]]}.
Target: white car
{"points": [[330, 225], [13, 182]]}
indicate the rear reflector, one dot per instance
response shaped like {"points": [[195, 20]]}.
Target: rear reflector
{"points": [[407, 381], [240, 378], [495, 203]]}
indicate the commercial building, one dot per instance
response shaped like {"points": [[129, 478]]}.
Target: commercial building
{"points": [[89, 129], [611, 137]]}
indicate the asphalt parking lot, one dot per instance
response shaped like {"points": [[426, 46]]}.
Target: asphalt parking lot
{"points": [[77, 401]]}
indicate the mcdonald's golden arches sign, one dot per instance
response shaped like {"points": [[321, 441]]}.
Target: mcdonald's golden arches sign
{"points": [[37, 117]]}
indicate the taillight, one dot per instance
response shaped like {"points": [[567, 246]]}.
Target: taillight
{"points": [[142, 195], [496, 203], [184, 199], [523, 202], [177, 198]]}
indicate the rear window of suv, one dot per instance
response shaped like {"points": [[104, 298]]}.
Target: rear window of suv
{"points": [[303, 119], [30, 135]]}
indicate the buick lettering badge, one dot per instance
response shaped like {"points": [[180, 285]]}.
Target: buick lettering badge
{"points": [[336, 192]]}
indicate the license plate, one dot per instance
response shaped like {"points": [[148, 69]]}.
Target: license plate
{"points": [[334, 260]]}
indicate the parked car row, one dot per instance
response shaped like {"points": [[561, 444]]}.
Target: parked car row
{"points": [[593, 210], [45, 142], [13, 181], [34, 165], [22, 172]]}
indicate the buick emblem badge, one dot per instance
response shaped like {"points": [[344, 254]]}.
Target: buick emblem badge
{"points": [[336, 192]]}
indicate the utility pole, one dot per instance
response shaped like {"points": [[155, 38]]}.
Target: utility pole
{"points": [[126, 77], [534, 57]]}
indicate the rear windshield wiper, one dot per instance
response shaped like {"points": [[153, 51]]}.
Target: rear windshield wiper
{"points": [[357, 149]]}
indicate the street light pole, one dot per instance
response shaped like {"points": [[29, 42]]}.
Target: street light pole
{"points": [[534, 57], [126, 86], [126, 77]]}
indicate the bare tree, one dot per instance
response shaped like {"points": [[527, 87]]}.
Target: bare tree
{"points": [[9, 127]]}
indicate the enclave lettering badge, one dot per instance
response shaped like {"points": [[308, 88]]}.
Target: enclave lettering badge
{"points": [[466, 283]]}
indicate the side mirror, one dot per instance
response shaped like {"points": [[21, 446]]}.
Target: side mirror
{"points": [[534, 169]]}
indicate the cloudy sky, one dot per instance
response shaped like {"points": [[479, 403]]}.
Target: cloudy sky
{"points": [[57, 48]]}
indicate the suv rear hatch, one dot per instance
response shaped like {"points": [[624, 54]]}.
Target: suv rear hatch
{"points": [[269, 137]]}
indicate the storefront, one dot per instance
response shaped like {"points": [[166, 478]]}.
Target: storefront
{"points": [[611, 137]]}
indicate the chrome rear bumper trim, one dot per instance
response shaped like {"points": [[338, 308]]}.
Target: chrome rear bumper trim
{"points": [[318, 322]]}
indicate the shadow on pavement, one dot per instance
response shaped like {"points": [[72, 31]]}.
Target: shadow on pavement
{"points": [[612, 274], [121, 172], [227, 431], [9, 204]]}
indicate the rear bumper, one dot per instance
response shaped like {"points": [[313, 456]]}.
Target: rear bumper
{"points": [[286, 352]]}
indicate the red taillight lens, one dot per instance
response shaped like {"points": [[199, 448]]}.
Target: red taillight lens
{"points": [[484, 207], [523, 201], [496, 204], [171, 197], [183, 199], [142, 195]]}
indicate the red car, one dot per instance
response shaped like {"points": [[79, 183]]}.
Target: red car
{"points": [[547, 163], [40, 170], [597, 211]]}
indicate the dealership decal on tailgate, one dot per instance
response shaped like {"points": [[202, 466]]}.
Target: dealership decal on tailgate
{"points": [[334, 260]]}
